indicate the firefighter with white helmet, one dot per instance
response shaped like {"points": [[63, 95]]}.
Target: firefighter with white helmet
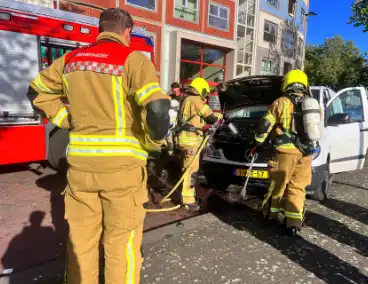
{"points": [[193, 116], [295, 120]]}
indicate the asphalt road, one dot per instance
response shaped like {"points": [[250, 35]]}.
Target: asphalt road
{"points": [[234, 245], [239, 247]]}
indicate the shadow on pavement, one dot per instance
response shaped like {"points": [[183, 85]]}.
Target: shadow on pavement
{"points": [[56, 184], [337, 231], [353, 211], [323, 264], [349, 184], [30, 247]]}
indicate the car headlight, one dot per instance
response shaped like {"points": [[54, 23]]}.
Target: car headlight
{"points": [[212, 152], [316, 152]]}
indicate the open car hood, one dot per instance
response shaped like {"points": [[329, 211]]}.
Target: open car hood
{"points": [[252, 90]]}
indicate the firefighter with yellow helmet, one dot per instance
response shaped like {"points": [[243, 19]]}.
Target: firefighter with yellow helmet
{"points": [[193, 116], [290, 165]]}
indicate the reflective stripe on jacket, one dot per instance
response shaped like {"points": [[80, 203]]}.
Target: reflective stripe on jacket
{"points": [[107, 86], [192, 107], [280, 116]]}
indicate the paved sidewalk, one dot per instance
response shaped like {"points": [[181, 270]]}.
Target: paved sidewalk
{"points": [[239, 247]]}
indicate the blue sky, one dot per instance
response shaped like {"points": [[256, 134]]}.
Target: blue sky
{"points": [[332, 19]]}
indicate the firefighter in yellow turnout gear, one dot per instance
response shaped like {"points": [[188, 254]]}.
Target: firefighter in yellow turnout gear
{"points": [[193, 116], [289, 168], [117, 114]]}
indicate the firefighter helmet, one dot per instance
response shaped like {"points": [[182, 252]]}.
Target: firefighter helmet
{"points": [[295, 80], [200, 87]]}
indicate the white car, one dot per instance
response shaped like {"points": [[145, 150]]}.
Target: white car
{"points": [[343, 146]]}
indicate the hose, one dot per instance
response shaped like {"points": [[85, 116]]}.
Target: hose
{"points": [[166, 197]]}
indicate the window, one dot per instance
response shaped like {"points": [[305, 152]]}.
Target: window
{"points": [[289, 40], [287, 67], [292, 7], [186, 10], [303, 18], [218, 17], [300, 47], [273, 3], [147, 4], [199, 60], [267, 67], [270, 32], [349, 102]]}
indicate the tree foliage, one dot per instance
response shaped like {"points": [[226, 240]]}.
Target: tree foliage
{"points": [[336, 63], [360, 14]]}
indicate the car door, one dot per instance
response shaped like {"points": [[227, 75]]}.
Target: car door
{"points": [[348, 141]]}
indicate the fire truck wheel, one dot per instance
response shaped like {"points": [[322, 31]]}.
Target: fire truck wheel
{"points": [[58, 142]]}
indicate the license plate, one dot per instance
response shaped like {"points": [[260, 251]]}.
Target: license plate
{"points": [[254, 173]]}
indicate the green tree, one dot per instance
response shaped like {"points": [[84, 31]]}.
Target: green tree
{"points": [[360, 14], [335, 63]]}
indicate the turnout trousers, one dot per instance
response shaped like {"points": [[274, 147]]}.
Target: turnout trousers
{"points": [[291, 172], [108, 205], [188, 192]]}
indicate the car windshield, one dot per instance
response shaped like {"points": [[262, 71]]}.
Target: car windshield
{"points": [[248, 112]]}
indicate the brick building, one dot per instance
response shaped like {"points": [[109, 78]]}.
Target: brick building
{"points": [[192, 37], [214, 39]]}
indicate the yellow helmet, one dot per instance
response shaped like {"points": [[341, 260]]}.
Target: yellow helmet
{"points": [[200, 86], [295, 79]]}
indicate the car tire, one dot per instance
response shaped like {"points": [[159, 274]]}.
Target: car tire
{"points": [[321, 193], [58, 143]]}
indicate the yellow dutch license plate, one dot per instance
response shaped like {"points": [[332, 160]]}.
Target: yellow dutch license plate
{"points": [[254, 174]]}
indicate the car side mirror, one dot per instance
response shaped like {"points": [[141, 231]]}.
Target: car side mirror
{"points": [[338, 118]]}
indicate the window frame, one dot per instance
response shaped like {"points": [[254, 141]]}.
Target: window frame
{"points": [[293, 37], [218, 16], [294, 3], [304, 18], [330, 108], [275, 7], [141, 7], [264, 31], [271, 66], [300, 47], [197, 10], [201, 62]]}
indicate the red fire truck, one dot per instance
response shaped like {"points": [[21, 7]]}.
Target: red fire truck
{"points": [[32, 37]]}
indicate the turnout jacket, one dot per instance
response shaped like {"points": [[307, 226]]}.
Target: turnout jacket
{"points": [[108, 86]]}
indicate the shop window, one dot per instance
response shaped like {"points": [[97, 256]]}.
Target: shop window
{"points": [[273, 3], [191, 52], [218, 16], [146, 4], [289, 40], [267, 67], [270, 32], [186, 10], [292, 7], [199, 60]]}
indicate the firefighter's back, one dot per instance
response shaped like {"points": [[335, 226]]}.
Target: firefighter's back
{"points": [[105, 134]]}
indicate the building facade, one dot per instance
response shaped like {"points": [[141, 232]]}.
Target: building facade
{"points": [[281, 36], [215, 39]]}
